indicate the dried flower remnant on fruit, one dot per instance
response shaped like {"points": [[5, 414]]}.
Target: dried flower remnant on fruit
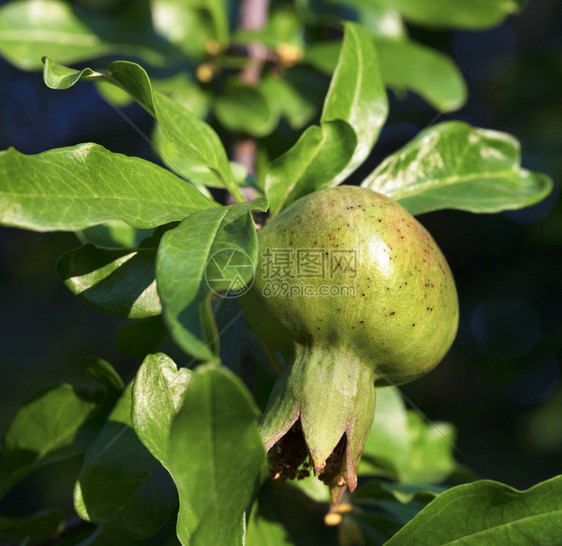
{"points": [[289, 458]]}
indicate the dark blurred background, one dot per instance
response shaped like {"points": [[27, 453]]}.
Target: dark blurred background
{"points": [[500, 384]]}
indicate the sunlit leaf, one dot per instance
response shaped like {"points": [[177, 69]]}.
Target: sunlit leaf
{"points": [[188, 273], [83, 185], [488, 512], [454, 165], [311, 164], [192, 137], [357, 95], [118, 281], [216, 457], [158, 394]]}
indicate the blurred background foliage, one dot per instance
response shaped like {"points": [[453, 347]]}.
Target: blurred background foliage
{"points": [[499, 385]]}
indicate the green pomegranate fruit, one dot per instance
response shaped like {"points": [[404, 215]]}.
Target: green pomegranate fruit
{"points": [[352, 291]]}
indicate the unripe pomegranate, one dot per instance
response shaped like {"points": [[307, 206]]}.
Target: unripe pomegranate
{"points": [[352, 291]]}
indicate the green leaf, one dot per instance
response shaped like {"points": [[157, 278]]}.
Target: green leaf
{"points": [[113, 234], [194, 139], [246, 109], [454, 165], [30, 29], [185, 282], [380, 19], [405, 64], [425, 71], [126, 75], [191, 24], [112, 94], [431, 450], [104, 373], [200, 176], [58, 76], [113, 533], [118, 281], [323, 55], [184, 23], [40, 527], [216, 457], [295, 96], [218, 11], [469, 14], [488, 512], [354, 111], [402, 446], [311, 164], [120, 480], [184, 89], [83, 185], [158, 393], [45, 429], [357, 95]]}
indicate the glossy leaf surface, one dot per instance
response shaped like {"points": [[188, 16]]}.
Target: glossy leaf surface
{"points": [[454, 165], [488, 512], [118, 281], [199, 175], [216, 457], [357, 95], [195, 140], [182, 270], [158, 394], [311, 164], [192, 137], [83, 185]]}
